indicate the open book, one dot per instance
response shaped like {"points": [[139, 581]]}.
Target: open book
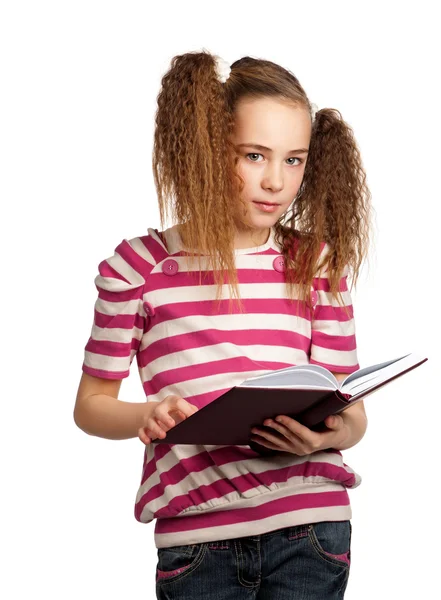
{"points": [[307, 393]]}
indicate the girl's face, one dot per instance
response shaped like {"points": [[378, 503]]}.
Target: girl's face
{"points": [[271, 140]]}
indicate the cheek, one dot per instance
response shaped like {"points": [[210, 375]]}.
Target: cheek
{"points": [[246, 173], [295, 180]]}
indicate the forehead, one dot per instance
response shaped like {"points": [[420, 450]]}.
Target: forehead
{"points": [[271, 122]]}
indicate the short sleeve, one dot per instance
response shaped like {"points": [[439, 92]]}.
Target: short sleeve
{"points": [[333, 336], [118, 322]]}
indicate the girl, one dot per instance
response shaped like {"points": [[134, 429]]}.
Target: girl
{"points": [[271, 206]]}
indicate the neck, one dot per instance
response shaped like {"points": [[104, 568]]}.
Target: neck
{"points": [[246, 239], [242, 238]]}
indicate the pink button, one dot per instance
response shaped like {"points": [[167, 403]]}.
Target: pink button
{"points": [[279, 263], [149, 309], [170, 266], [314, 298]]}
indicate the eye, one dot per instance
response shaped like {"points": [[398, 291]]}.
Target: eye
{"points": [[253, 154], [296, 158], [292, 157]]}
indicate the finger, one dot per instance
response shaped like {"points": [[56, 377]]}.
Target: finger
{"points": [[288, 438], [157, 430], [283, 430], [266, 443], [177, 415], [334, 422], [273, 438], [291, 442], [186, 407], [305, 435], [164, 420], [144, 437]]}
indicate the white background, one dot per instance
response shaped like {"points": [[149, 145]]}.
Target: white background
{"points": [[79, 82]]}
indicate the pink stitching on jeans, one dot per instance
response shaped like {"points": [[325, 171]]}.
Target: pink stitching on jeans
{"points": [[164, 574], [300, 534], [344, 557]]}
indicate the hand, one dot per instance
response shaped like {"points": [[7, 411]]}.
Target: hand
{"points": [[158, 419], [298, 439]]}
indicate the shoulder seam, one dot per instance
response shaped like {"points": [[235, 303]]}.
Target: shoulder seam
{"points": [[157, 236]]}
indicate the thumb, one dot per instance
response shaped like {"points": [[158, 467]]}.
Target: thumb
{"points": [[334, 421]]}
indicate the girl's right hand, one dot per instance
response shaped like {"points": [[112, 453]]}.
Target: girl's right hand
{"points": [[163, 416]]}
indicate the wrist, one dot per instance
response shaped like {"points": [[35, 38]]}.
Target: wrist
{"points": [[355, 425]]}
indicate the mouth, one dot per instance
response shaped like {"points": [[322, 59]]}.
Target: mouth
{"points": [[266, 202], [267, 207]]}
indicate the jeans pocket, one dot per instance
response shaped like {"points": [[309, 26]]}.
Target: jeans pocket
{"points": [[177, 562], [332, 541]]}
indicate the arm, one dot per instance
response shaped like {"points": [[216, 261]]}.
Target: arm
{"points": [[115, 337], [356, 420], [98, 411]]}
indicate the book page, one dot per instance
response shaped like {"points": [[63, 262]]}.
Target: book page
{"points": [[372, 376], [295, 377], [318, 377], [367, 370]]}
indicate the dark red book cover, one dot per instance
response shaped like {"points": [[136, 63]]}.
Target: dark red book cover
{"points": [[229, 418]]}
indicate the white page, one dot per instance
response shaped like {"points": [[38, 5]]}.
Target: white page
{"points": [[295, 369], [318, 377], [296, 377], [370, 376], [366, 370]]}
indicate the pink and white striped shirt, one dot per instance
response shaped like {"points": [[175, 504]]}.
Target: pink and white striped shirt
{"points": [[150, 306]]}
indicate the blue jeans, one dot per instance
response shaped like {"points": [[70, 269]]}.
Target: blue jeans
{"points": [[301, 562]]}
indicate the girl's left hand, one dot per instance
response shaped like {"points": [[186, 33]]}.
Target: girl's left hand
{"points": [[298, 439]]}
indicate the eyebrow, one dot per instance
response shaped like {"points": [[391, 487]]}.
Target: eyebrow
{"points": [[260, 147]]}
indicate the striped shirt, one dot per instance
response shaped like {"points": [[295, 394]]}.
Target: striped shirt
{"points": [[150, 305]]}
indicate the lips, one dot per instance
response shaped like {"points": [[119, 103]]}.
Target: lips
{"points": [[266, 207]]}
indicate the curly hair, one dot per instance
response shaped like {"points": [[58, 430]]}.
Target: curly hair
{"points": [[194, 168]]}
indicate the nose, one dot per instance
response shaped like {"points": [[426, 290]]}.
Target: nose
{"points": [[273, 178]]}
